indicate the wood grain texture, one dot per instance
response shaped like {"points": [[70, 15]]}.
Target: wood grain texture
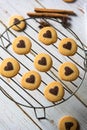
{"points": [[17, 117]]}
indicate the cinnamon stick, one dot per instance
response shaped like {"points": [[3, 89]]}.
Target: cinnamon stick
{"points": [[44, 10], [49, 15]]}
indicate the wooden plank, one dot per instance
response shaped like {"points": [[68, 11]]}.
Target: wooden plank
{"points": [[12, 118]]}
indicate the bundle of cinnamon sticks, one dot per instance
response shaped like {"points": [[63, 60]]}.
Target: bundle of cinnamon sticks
{"points": [[51, 13]]}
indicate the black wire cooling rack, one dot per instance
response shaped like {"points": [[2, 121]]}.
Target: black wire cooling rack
{"points": [[35, 99]]}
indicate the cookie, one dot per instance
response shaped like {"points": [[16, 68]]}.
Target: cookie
{"points": [[9, 67], [17, 22], [21, 45], [69, 1], [68, 71], [47, 35], [54, 91], [68, 123], [31, 80], [43, 62], [67, 47]]}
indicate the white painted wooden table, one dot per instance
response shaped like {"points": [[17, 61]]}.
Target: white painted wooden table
{"points": [[17, 117]]}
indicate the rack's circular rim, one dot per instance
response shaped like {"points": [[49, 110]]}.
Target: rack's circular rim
{"points": [[73, 93]]}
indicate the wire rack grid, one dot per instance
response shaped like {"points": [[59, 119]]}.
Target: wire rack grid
{"points": [[35, 99]]}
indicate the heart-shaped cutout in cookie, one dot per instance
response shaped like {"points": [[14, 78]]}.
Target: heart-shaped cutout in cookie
{"points": [[16, 21], [31, 79], [47, 34], [42, 61], [8, 67], [54, 90], [21, 44], [68, 125], [68, 71], [68, 46]]}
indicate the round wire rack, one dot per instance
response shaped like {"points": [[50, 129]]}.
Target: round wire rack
{"points": [[12, 88]]}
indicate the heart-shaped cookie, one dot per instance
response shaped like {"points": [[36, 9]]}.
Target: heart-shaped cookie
{"points": [[68, 71], [47, 34], [21, 44], [16, 21], [42, 61], [31, 79], [68, 45], [68, 125], [8, 67], [54, 90]]}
